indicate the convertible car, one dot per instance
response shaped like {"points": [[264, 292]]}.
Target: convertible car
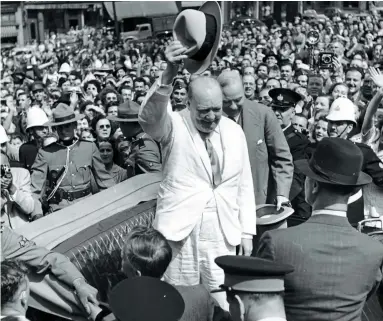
{"points": [[91, 233]]}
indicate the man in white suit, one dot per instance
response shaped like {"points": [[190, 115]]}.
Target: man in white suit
{"points": [[205, 204]]}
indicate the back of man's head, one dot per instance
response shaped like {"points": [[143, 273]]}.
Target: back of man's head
{"points": [[14, 286], [146, 252]]}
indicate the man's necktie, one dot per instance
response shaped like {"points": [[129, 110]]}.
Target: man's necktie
{"points": [[214, 162]]}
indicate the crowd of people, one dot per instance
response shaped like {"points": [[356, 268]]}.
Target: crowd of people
{"points": [[234, 119]]}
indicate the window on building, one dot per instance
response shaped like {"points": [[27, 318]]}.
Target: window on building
{"points": [[350, 4]]}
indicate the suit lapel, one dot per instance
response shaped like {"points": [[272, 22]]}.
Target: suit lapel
{"points": [[198, 142]]}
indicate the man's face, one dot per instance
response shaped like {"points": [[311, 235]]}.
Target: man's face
{"points": [[300, 124], [272, 83], [186, 75], [302, 81], [264, 97], [325, 73], [353, 81], [284, 115], [121, 73], [286, 72], [139, 87], [206, 107], [338, 129], [126, 94], [39, 131], [154, 71], [179, 96], [337, 48], [249, 86], [249, 71], [66, 132], [111, 97], [315, 86], [262, 71], [340, 91], [233, 99]]}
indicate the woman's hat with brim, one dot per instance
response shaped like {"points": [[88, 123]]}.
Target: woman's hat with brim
{"points": [[127, 112], [268, 214], [64, 114], [199, 31], [335, 161]]}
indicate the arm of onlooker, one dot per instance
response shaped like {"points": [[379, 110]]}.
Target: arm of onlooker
{"points": [[21, 194], [8, 120], [281, 161], [372, 107], [15, 246], [372, 165], [266, 248]]}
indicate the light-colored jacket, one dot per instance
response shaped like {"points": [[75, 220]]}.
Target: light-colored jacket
{"points": [[20, 205], [187, 186]]}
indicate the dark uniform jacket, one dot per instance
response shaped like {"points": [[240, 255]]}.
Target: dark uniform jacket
{"points": [[27, 154], [298, 144], [144, 156], [82, 162], [336, 268]]}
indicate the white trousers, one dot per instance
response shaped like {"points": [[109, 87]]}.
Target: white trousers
{"points": [[193, 258]]}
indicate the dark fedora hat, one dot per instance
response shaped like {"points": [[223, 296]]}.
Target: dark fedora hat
{"points": [[271, 54], [145, 298], [63, 114], [268, 214], [335, 161], [126, 112]]}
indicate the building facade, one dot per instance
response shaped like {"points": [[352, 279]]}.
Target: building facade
{"points": [[12, 23]]}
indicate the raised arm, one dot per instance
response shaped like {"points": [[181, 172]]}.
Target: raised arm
{"points": [[154, 115]]}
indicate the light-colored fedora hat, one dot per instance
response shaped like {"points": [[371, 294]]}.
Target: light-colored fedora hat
{"points": [[64, 114], [200, 31], [267, 214], [36, 117]]}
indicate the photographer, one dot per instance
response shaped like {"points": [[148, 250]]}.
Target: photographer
{"points": [[17, 203]]}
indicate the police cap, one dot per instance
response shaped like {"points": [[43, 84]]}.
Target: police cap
{"points": [[284, 98]]}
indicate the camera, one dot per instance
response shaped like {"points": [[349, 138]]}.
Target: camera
{"points": [[326, 60], [5, 170]]}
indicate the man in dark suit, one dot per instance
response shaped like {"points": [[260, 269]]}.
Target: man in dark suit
{"points": [[283, 104], [267, 146], [336, 267], [199, 304]]}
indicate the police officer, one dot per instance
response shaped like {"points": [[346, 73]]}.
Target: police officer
{"points": [[142, 153], [62, 171], [283, 104], [342, 120], [254, 287]]}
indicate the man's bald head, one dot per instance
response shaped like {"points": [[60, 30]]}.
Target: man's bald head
{"points": [[205, 96]]}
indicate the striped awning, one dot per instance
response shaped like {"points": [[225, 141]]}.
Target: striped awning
{"points": [[8, 31], [134, 9]]}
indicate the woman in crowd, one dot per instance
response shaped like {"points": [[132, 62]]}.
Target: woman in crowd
{"points": [[107, 156]]}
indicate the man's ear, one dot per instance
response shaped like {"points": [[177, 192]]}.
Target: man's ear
{"points": [[315, 188], [24, 299], [241, 306]]}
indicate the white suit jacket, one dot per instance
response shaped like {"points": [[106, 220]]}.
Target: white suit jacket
{"points": [[21, 204], [187, 185]]}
